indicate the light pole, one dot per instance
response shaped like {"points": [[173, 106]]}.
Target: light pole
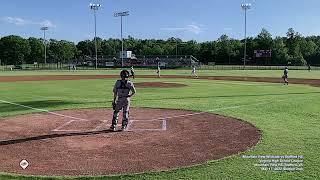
{"points": [[44, 43], [95, 7], [176, 41], [245, 7], [176, 48], [121, 14]]}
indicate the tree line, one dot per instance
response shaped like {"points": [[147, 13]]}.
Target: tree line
{"points": [[291, 49]]}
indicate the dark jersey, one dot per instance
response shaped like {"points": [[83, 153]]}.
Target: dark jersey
{"points": [[123, 87]]}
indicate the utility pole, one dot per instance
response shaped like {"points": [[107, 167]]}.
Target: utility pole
{"points": [[121, 14], [245, 7], [44, 29], [95, 7]]}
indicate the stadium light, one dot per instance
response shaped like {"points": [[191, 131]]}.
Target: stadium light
{"points": [[44, 29], [245, 7], [176, 47], [95, 7], [121, 14]]}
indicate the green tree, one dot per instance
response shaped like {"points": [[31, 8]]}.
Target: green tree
{"points": [[84, 47], [224, 49], [37, 51], [68, 51], [107, 49], [14, 50], [236, 47], [280, 52], [264, 40], [294, 41], [308, 49], [61, 51]]}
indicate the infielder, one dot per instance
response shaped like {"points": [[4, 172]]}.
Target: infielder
{"points": [[285, 76], [122, 92], [158, 71], [193, 73], [132, 72]]}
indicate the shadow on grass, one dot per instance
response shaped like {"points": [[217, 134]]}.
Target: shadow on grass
{"points": [[6, 107], [52, 136]]}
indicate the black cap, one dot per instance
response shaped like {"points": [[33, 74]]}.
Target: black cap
{"points": [[124, 74]]}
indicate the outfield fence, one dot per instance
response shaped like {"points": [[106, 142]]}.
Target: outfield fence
{"points": [[241, 67], [65, 66]]}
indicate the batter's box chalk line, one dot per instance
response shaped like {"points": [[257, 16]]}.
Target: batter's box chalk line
{"points": [[98, 127], [163, 125]]}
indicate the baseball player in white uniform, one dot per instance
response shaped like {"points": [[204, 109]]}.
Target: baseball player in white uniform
{"points": [[132, 72], [123, 91], [158, 71], [193, 73]]}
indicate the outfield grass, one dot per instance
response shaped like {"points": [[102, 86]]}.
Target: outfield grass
{"points": [[289, 120], [251, 73]]}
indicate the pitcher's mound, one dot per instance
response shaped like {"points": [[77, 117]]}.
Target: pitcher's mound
{"points": [[78, 142], [158, 85]]}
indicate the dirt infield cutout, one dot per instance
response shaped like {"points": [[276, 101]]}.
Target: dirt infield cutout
{"points": [[157, 139]]}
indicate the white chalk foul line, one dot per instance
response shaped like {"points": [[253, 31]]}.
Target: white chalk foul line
{"points": [[43, 110], [239, 106], [164, 125], [63, 125], [104, 122]]}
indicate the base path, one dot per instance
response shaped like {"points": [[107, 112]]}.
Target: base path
{"points": [[156, 139], [312, 82]]}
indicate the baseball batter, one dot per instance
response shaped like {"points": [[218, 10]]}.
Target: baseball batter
{"points": [[193, 73], [123, 90]]}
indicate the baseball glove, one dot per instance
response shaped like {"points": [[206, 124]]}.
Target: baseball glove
{"points": [[114, 105]]}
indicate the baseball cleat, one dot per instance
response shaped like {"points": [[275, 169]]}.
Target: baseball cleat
{"points": [[123, 128], [113, 128]]}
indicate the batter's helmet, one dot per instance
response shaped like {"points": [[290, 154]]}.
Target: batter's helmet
{"points": [[124, 74]]}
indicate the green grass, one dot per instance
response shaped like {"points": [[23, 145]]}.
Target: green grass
{"points": [[251, 73], [289, 120]]}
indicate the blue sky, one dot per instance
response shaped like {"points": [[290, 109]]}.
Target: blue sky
{"points": [[202, 20]]}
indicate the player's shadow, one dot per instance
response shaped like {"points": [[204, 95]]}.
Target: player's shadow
{"points": [[52, 136]]}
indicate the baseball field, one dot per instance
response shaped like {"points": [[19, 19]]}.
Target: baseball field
{"points": [[219, 126]]}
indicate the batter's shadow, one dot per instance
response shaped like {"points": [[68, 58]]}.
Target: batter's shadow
{"points": [[57, 135]]}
